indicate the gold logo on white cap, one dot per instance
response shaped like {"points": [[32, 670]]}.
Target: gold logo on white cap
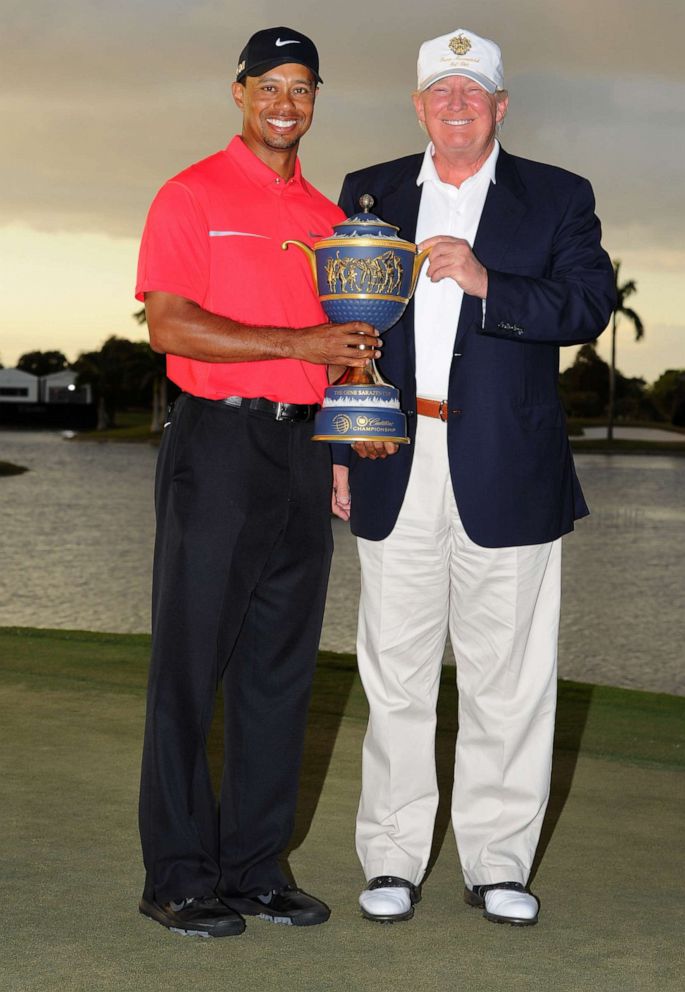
{"points": [[460, 45]]}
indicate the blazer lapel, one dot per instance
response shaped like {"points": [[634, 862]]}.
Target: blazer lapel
{"points": [[401, 207], [503, 211]]}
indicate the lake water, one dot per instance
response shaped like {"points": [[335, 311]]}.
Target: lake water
{"points": [[77, 534]]}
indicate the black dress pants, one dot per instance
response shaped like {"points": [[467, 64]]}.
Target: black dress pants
{"points": [[242, 556]]}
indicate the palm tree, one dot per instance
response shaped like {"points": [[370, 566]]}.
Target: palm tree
{"points": [[622, 294]]}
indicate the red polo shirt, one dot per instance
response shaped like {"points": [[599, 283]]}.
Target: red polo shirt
{"points": [[213, 235]]}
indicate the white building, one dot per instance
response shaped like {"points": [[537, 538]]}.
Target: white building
{"points": [[60, 387], [18, 387]]}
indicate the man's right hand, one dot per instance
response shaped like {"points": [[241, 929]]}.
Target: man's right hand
{"points": [[353, 344], [182, 327], [375, 449]]}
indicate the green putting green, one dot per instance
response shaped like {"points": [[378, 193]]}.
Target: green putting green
{"points": [[72, 707]]}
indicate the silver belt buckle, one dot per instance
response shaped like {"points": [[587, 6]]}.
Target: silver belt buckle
{"points": [[279, 411]]}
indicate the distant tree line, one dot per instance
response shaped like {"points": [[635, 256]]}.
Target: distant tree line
{"points": [[127, 375], [585, 392], [123, 375]]}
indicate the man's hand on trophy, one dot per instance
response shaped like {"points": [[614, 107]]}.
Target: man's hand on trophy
{"points": [[353, 344], [375, 449], [452, 258]]}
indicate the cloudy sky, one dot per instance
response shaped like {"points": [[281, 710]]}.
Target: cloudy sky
{"points": [[102, 100]]}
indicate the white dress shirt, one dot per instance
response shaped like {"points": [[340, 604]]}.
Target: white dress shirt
{"points": [[454, 211]]}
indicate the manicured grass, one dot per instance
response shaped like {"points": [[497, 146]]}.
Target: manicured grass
{"points": [[132, 426], [74, 659], [599, 720], [72, 712]]}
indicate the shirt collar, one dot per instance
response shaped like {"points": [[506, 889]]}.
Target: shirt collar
{"points": [[486, 173], [259, 172]]}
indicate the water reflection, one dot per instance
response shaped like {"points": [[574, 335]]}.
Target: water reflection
{"points": [[77, 545]]}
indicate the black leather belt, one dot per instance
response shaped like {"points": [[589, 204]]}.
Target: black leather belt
{"points": [[278, 410]]}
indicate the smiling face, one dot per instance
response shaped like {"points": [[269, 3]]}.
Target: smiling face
{"points": [[460, 118], [277, 110]]}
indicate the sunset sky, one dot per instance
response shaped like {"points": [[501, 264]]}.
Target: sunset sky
{"points": [[102, 101]]}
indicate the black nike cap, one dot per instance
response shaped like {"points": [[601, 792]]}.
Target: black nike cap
{"points": [[277, 46]]}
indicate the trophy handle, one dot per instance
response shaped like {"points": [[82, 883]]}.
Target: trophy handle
{"points": [[365, 376], [309, 252], [418, 262]]}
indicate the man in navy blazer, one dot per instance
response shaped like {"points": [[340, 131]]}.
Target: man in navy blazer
{"points": [[461, 528]]}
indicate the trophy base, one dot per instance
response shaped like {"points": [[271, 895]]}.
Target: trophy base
{"points": [[351, 439], [361, 412]]}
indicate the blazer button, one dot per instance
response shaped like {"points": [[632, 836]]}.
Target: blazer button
{"points": [[457, 413]]}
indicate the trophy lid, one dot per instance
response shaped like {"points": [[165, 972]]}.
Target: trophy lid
{"points": [[365, 224]]}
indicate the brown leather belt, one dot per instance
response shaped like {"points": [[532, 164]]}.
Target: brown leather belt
{"points": [[432, 408]]}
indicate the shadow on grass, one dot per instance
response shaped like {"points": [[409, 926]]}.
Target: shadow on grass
{"points": [[445, 743], [331, 691], [573, 706], [334, 679], [602, 721]]}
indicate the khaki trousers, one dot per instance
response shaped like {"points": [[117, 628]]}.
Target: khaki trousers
{"points": [[501, 606]]}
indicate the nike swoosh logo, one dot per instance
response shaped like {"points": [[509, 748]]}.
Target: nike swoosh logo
{"points": [[236, 234], [280, 44]]}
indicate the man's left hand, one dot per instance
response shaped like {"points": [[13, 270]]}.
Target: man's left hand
{"points": [[452, 258], [341, 500]]}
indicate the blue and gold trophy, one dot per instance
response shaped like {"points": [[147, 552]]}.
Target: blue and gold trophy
{"points": [[364, 271]]}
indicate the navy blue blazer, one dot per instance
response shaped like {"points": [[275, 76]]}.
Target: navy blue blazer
{"points": [[550, 283]]}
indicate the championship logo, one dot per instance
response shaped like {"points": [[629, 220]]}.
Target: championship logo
{"points": [[342, 423]]}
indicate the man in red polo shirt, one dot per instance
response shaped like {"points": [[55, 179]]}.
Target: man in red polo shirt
{"points": [[243, 539]]}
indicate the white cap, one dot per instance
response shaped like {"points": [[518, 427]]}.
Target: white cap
{"points": [[461, 53]]}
